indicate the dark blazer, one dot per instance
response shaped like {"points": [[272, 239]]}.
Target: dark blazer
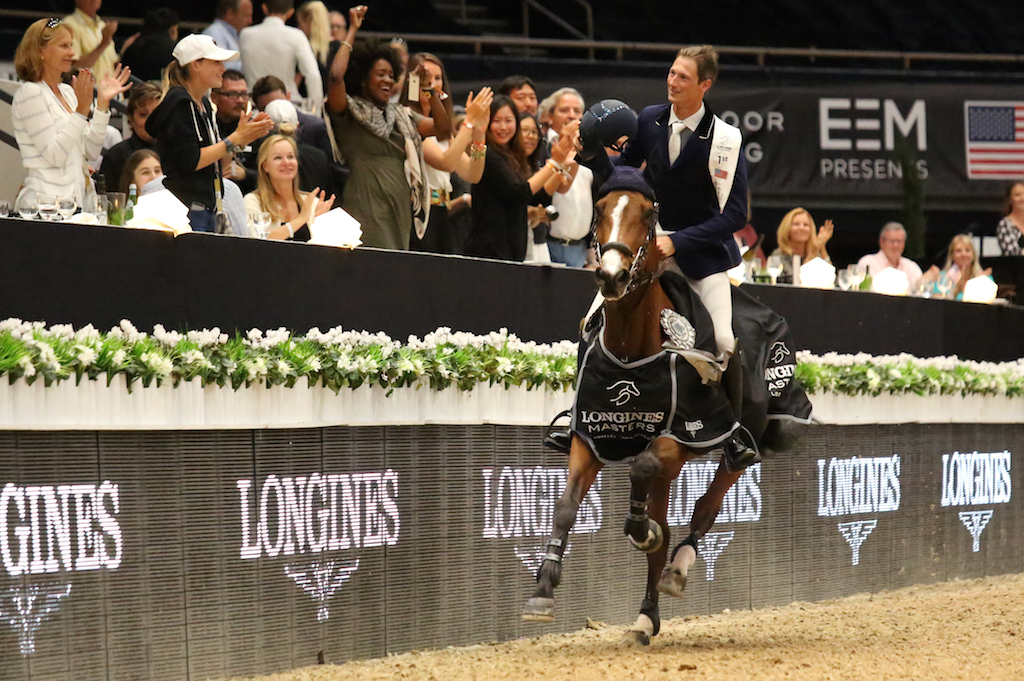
{"points": [[686, 196]]}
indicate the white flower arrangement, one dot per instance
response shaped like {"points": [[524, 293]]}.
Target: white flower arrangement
{"points": [[348, 359]]}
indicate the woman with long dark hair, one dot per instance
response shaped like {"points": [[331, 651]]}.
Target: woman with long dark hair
{"points": [[507, 187], [1010, 231], [445, 156]]}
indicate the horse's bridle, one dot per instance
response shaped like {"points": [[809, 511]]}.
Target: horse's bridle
{"points": [[637, 277]]}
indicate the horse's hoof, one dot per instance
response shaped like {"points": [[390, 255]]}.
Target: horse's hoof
{"points": [[635, 636], [539, 609], [672, 582], [655, 538]]}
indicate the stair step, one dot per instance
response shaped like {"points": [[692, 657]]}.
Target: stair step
{"points": [[488, 25], [454, 10]]}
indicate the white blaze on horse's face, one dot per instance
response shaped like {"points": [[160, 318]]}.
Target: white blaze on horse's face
{"points": [[612, 261]]}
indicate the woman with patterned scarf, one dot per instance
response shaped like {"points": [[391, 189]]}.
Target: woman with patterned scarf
{"points": [[381, 141]]}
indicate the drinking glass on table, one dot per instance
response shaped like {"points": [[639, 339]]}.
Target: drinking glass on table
{"points": [[26, 205], [843, 279], [943, 285], [97, 207], [858, 273], [5, 208], [774, 267], [67, 207], [259, 224], [47, 205]]}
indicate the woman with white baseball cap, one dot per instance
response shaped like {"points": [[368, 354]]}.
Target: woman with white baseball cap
{"points": [[190, 147]]}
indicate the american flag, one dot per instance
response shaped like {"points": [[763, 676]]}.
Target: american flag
{"points": [[994, 133]]}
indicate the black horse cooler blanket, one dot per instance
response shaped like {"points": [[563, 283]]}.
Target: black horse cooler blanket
{"points": [[621, 407]]}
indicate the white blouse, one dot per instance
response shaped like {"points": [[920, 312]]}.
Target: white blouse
{"points": [[55, 143]]}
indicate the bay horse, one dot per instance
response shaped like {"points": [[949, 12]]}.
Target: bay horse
{"points": [[629, 279]]}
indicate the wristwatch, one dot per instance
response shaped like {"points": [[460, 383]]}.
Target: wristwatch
{"points": [[229, 146]]}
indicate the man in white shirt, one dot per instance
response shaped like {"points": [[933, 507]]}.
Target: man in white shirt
{"points": [[891, 241], [232, 17], [567, 238], [274, 49]]}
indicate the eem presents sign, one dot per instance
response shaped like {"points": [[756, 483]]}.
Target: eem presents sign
{"points": [[854, 142]]}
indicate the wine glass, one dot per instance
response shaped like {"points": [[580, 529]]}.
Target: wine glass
{"points": [[943, 285], [26, 205], [259, 224], [47, 205], [67, 207], [843, 279], [774, 267], [858, 273], [5, 208]]}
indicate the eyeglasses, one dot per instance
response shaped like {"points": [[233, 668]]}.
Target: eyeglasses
{"points": [[530, 133], [239, 96], [52, 23]]}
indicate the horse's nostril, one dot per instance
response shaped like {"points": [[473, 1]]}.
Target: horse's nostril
{"points": [[602, 275], [621, 277]]}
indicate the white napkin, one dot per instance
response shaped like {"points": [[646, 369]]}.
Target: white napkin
{"points": [[817, 273], [335, 228], [890, 281], [980, 290], [161, 210]]}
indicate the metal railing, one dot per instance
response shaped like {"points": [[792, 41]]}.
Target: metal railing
{"points": [[617, 50], [559, 21]]}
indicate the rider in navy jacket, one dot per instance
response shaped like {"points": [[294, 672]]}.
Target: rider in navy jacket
{"points": [[687, 203]]}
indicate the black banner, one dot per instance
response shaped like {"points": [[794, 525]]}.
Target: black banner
{"points": [[191, 555]]}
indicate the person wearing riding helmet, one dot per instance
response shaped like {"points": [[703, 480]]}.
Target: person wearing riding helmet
{"points": [[695, 164]]}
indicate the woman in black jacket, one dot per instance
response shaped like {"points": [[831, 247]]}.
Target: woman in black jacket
{"points": [[506, 189], [187, 140]]}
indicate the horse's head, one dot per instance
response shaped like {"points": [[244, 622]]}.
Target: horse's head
{"points": [[624, 231]]}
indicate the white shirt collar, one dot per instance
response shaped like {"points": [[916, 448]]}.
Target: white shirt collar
{"points": [[690, 122]]}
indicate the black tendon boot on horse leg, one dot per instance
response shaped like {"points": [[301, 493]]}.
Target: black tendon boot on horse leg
{"points": [[644, 534], [740, 450], [583, 470], [673, 577], [648, 623]]}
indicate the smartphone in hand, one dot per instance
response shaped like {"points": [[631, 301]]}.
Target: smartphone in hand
{"points": [[414, 86]]}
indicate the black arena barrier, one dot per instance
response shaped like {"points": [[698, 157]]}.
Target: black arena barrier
{"points": [[201, 554], [77, 274]]}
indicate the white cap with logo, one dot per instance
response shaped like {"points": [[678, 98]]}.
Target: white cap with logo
{"points": [[199, 46]]}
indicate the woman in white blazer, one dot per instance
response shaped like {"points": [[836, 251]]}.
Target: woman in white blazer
{"points": [[52, 122]]}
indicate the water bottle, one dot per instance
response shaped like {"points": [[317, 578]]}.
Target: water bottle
{"points": [[133, 198]]}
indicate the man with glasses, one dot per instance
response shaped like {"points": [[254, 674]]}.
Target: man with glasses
{"points": [[231, 100]]}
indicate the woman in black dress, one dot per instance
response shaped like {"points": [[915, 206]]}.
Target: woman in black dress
{"points": [[506, 189]]}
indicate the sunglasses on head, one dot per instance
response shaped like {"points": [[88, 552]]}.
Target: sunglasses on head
{"points": [[52, 23]]}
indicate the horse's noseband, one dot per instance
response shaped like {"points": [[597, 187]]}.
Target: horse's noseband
{"points": [[637, 278]]}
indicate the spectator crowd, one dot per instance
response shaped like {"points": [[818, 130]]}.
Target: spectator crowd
{"points": [[290, 121]]}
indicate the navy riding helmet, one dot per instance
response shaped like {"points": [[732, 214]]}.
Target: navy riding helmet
{"points": [[604, 124]]}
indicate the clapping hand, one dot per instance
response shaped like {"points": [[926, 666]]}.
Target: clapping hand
{"points": [[82, 83], [112, 86], [478, 108], [826, 231], [566, 143], [251, 128], [317, 203]]}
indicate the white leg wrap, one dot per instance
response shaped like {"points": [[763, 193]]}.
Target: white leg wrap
{"points": [[685, 558], [643, 623]]}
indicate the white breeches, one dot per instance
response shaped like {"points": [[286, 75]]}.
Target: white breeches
{"points": [[715, 292]]}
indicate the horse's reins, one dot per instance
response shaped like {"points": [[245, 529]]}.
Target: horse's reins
{"points": [[637, 277]]}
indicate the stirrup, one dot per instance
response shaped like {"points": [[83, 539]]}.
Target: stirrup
{"points": [[558, 438], [740, 451]]}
